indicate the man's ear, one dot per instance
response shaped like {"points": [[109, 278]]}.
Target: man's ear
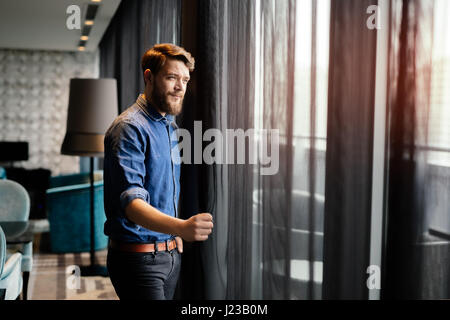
{"points": [[148, 76]]}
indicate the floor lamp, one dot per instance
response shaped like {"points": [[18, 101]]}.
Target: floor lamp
{"points": [[92, 108]]}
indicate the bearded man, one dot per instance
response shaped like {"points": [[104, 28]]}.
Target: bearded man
{"points": [[142, 183]]}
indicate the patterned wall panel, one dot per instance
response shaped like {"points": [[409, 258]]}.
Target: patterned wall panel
{"points": [[34, 95]]}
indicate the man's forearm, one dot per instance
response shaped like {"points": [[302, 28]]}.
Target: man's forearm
{"points": [[147, 216]]}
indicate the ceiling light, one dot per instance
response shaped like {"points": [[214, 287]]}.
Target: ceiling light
{"points": [[81, 48], [96, 0], [89, 22], [84, 38]]}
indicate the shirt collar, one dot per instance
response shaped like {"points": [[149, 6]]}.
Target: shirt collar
{"points": [[153, 113]]}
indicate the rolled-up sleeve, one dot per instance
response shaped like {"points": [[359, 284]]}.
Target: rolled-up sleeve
{"points": [[128, 147], [133, 193]]}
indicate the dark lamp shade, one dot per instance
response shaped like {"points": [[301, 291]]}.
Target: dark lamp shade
{"points": [[92, 109]]}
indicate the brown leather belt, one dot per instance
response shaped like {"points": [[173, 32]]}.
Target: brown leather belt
{"points": [[168, 245]]}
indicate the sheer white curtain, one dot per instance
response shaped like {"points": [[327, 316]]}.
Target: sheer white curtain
{"points": [[291, 96]]}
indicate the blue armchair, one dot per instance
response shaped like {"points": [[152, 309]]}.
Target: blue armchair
{"points": [[68, 205], [10, 272]]}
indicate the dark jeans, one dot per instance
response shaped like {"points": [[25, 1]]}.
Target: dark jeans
{"points": [[144, 276]]}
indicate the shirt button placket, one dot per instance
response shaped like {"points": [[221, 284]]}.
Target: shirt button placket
{"points": [[173, 174]]}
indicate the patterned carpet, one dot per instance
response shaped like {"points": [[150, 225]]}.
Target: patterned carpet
{"points": [[51, 278]]}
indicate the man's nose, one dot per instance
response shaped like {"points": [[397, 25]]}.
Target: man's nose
{"points": [[179, 85]]}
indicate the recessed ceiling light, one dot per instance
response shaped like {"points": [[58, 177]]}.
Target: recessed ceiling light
{"points": [[81, 48], [84, 38], [89, 22], [96, 0]]}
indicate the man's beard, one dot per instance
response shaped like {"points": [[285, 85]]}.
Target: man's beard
{"points": [[164, 105]]}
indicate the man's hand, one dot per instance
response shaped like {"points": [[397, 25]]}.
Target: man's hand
{"points": [[197, 228]]}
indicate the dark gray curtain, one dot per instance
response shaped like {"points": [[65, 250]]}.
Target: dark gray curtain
{"points": [[417, 254], [267, 240], [136, 26], [203, 275], [237, 112], [349, 151], [220, 97]]}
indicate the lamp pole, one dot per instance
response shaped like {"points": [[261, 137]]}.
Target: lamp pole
{"points": [[93, 269], [92, 225]]}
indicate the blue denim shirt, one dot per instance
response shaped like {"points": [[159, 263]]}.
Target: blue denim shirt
{"points": [[139, 163]]}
